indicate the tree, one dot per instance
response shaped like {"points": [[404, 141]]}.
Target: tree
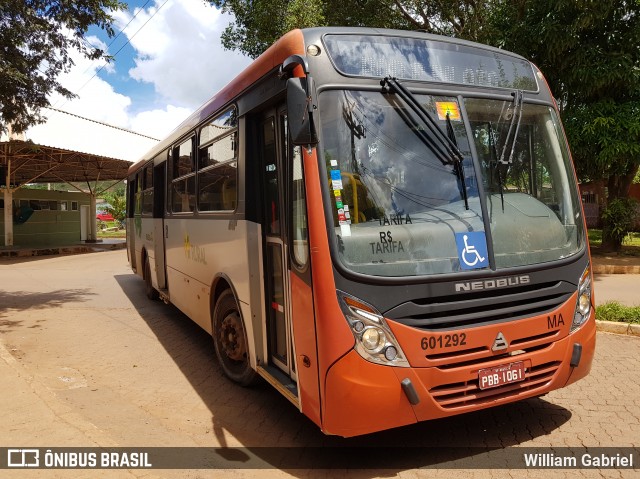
{"points": [[259, 23], [117, 205], [588, 51], [36, 40]]}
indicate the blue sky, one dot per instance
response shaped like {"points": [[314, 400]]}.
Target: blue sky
{"points": [[168, 61], [141, 93], [146, 12]]}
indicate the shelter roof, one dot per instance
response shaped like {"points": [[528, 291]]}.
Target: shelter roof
{"points": [[33, 163]]}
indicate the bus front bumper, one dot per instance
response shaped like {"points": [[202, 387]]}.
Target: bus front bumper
{"points": [[362, 397]]}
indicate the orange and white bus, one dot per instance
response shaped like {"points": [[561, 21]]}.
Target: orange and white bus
{"points": [[384, 225]]}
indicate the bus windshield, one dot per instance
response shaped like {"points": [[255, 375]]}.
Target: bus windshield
{"points": [[399, 210]]}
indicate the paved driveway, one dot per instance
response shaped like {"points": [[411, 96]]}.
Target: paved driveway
{"points": [[87, 360]]}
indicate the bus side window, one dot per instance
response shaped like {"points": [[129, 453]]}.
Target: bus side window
{"points": [[229, 193], [217, 165], [217, 188], [147, 193], [138, 195], [183, 186], [132, 190]]}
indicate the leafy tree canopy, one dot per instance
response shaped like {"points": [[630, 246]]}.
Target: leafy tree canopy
{"points": [[259, 23], [36, 40], [588, 51], [117, 205]]}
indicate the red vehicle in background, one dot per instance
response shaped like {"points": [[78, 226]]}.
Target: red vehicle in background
{"points": [[104, 216]]}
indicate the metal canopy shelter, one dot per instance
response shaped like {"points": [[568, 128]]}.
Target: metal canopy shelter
{"points": [[31, 163], [23, 162]]}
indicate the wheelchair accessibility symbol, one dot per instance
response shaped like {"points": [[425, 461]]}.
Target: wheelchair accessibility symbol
{"points": [[472, 250]]}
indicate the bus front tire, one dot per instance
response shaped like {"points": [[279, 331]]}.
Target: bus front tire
{"points": [[230, 341], [150, 291]]}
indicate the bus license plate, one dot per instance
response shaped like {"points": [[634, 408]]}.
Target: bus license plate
{"points": [[501, 375]]}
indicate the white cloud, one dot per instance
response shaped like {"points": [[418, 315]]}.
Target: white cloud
{"points": [[97, 101], [178, 51], [159, 123], [96, 98], [73, 133]]}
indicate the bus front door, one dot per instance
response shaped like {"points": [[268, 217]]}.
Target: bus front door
{"points": [[273, 154]]}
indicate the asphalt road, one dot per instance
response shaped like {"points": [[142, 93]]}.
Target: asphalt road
{"points": [[86, 360]]}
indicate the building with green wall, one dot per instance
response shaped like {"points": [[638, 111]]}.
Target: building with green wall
{"points": [[56, 217]]}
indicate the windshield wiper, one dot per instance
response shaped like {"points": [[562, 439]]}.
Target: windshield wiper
{"points": [[459, 169], [516, 119], [518, 97], [443, 146], [494, 153]]}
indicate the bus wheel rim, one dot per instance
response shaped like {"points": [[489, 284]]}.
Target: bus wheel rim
{"points": [[231, 337]]}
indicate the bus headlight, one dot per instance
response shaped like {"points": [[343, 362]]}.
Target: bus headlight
{"points": [[374, 340], [583, 305]]}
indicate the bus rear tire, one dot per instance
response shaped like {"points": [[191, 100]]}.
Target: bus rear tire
{"points": [[149, 290], [230, 340]]}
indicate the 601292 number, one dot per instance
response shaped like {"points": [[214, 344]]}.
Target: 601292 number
{"points": [[444, 341]]}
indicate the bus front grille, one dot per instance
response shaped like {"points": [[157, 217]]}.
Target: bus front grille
{"points": [[466, 394], [479, 308], [479, 355]]}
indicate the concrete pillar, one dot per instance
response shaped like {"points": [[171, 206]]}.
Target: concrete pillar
{"points": [[8, 194], [8, 208], [93, 227], [8, 216]]}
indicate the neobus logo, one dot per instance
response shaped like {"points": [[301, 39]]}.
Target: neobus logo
{"points": [[493, 283]]}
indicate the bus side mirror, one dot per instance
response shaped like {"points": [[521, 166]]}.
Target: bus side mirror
{"points": [[301, 109]]}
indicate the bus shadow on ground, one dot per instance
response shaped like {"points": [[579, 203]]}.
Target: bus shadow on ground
{"points": [[274, 434]]}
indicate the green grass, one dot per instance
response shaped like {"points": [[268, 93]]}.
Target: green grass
{"points": [[112, 234], [595, 238], [632, 239], [614, 311], [121, 233]]}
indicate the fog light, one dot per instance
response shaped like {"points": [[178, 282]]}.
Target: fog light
{"points": [[358, 326], [390, 353], [372, 338]]}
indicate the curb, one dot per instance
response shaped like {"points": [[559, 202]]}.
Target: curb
{"points": [[618, 328], [615, 269]]}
